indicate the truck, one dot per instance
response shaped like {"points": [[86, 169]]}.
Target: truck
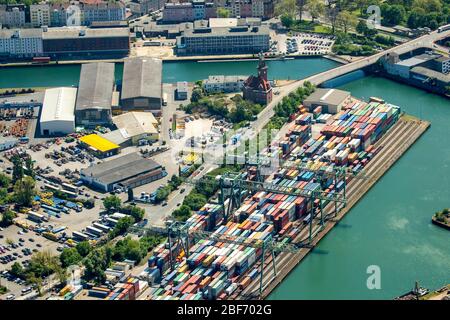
{"points": [[164, 99]]}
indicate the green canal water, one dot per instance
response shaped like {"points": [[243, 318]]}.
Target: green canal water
{"points": [[390, 227], [68, 75]]}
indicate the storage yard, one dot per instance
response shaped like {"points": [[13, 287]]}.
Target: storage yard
{"points": [[364, 139]]}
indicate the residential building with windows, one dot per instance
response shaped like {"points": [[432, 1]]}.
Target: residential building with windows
{"points": [[224, 40], [12, 16], [178, 12], [21, 43], [102, 11], [40, 15]]}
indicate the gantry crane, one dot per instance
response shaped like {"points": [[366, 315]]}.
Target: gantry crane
{"points": [[180, 234]]}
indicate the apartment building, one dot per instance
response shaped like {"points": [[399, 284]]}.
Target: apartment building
{"points": [[102, 11], [40, 15], [224, 40], [12, 16], [21, 43]]}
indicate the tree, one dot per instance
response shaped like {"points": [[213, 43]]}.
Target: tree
{"points": [[162, 194], [122, 226], [69, 256], [17, 270], [286, 7], [29, 165], [301, 4], [42, 264], [134, 211], [332, 13], [195, 201], [223, 12], [287, 20], [24, 191], [96, 263], [347, 20], [130, 194], [7, 218], [428, 5], [197, 94], [112, 202], [83, 248], [4, 180], [18, 171], [127, 249], [182, 213], [316, 8], [393, 15]]}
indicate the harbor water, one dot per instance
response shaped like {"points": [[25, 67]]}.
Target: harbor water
{"points": [[389, 228]]}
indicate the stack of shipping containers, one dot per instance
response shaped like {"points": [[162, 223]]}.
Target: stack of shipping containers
{"points": [[214, 269]]}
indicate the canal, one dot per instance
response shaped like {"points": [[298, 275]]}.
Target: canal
{"points": [[390, 227], [68, 75]]}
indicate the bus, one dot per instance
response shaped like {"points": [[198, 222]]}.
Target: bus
{"points": [[444, 28], [70, 187], [79, 236]]}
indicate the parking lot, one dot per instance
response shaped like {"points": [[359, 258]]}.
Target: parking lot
{"points": [[302, 44], [17, 245]]}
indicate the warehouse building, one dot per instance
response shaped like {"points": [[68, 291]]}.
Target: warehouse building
{"points": [[81, 41], [133, 128], [99, 146], [57, 115], [142, 85], [331, 100], [95, 93], [128, 171]]}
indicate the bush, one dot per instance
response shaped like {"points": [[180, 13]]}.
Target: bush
{"points": [[112, 202], [195, 201], [182, 214]]}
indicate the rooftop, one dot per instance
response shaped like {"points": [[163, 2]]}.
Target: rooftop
{"points": [[328, 96], [235, 31], [223, 22], [223, 79], [414, 61], [122, 168], [21, 33], [131, 124], [96, 86], [83, 32], [432, 74], [142, 78], [59, 104], [98, 143]]}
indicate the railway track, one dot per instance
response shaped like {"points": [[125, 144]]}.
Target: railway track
{"points": [[395, 142]]}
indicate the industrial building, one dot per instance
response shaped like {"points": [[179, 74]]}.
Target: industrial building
{"points": [[81, 41], [133, 128], [57, 115], [331, 100], [142, 85], [95, 91], [99, 146], [128, 171]]}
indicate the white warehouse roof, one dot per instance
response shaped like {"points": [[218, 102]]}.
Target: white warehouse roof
{"points": [[59, 104]]}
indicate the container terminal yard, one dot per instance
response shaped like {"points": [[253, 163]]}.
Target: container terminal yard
{"points": [[243, 246]]}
